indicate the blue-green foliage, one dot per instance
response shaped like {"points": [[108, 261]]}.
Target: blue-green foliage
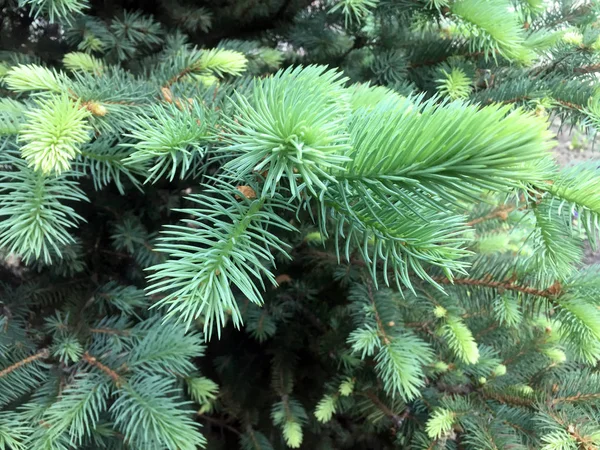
{"points": [[269, 225]]}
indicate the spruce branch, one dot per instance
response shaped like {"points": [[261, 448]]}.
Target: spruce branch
{"points": [[25, 78], [78, 61], [506, 398], [254, 440], [198, 282], [486, 34], [110, 331], [36, 221], [550, 293], [42, 354], [56, 10], [77, 411], [149, 406], [397, 419], [207, 65], [53, 133], [576, 398], [169, 138], [220, 424], [398, 353], [587, 69], [397, 128], [586, 442], [437, 182], [93, 361], [499, 213], [291, 129]]}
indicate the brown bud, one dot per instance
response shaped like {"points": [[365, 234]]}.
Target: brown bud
{"points": [[247, 191], [283, 278], [95, 108], [167, 94], [555, 289]]}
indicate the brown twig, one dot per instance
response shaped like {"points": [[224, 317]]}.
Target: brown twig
{"points": [[92, 361], [397, 419], [500, 213], [525, 97], [42, 354], [588, 69], [575, 398], [380, 327], [178, 77], [508, 399], [219, 423], [433, 62], [110, 331], [585, 442], [551, 292], [569, 104]]}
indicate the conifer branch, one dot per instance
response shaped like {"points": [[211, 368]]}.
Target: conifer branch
{"points": [[508, 399], [588, 69], [436, 61], [93, 361], [551, 292], [509, 101], [110, 331], [579, 397], [175, 78], [383, 140], [585, 442], [499, 213], [387, 340], [42, 354], [397, 419], [219, 423], [570, 105]]}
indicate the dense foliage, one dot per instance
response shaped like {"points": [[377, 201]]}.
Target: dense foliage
{"points": [[292, 224]]}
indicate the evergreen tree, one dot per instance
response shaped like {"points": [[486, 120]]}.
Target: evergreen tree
{"points": [[296, 224]]}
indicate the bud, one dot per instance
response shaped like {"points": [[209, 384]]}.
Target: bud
{"points": [[573, 38], [499, 371], [283, 278], [556, 355], [439, 312], [247, 191], [167, 94], [524, 389], [96, 108], [347, 387], [540, 111], [314, 236], [441, 366]]}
